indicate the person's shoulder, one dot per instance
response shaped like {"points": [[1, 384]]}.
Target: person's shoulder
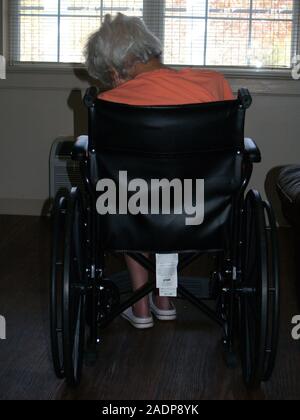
{"points": [[212, 79], [132, 92], [115, 92]]}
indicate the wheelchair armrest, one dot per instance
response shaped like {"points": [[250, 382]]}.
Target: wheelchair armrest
{"points": [[252, 152], [80, 149]]}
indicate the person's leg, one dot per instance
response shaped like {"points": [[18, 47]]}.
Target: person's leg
{"points": [[140, 277], [162, 303]]}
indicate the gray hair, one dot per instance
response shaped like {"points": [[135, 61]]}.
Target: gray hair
{"points": [[118, 45]]}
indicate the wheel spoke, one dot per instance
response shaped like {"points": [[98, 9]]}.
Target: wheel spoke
{"points": [[76, 343]]}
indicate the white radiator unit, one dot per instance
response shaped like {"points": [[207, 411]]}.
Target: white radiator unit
{"points": [[64, 172]]}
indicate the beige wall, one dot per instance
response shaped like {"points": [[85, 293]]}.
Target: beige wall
{"points": [[36, 108]]}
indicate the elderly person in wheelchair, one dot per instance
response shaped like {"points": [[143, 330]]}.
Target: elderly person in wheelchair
{"points": [[127, 60], [152, 127]]}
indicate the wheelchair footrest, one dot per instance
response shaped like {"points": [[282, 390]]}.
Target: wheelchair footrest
{"points": [[199, 286]]}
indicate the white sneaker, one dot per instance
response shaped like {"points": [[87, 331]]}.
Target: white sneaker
{"points": [[137, 322], [160, 314]]}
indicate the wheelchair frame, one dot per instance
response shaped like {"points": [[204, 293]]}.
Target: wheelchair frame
{"points": [[246, 282]]}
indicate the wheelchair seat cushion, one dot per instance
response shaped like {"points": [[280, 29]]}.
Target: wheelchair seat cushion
{"points": [[288, 187]]}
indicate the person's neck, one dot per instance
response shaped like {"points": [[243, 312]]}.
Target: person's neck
{"points": [[152, 65]]}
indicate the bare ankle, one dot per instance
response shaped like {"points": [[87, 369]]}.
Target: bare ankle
{"points": [[142, 309], [163, 303]]}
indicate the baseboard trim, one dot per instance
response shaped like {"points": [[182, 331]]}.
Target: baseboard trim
{"points": [[23, 207]]}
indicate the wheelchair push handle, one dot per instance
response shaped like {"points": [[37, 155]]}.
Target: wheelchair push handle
{"points": [[90, 96], [245, 98]]}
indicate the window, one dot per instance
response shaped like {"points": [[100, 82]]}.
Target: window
{"points": [[56, 30], [234, 33], [229, 32]]}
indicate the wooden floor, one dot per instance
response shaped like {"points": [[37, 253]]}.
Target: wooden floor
{"points": [[181, 360]]}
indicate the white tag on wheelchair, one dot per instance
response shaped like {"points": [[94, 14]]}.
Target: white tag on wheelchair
{"points": [[167, 274]]}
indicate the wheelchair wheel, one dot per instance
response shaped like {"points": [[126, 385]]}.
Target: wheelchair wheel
{"points": [[57, 284], [274, 293], [259, 294], [74, 290]]}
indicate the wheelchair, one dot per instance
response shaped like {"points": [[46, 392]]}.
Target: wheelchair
{"points": [[204, 141]]}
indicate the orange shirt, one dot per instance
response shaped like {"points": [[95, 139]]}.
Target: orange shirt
{"points": [[170, 87]]}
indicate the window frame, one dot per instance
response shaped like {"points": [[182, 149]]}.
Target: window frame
{"points": [[296, 28], [3, 27], [230, 71]]}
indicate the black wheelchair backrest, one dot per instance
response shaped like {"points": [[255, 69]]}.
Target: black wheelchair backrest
{"points": [[171, 146]]}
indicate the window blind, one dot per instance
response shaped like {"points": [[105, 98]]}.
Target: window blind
{"points": [[234, 33]]}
